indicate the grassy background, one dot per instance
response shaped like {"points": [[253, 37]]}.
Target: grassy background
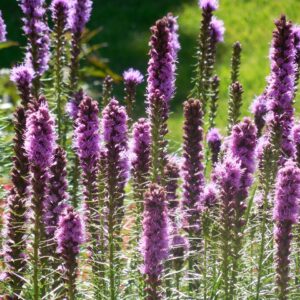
{"points": [[126, 32]]}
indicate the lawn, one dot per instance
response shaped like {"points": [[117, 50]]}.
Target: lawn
{"points": [[126, 32]]}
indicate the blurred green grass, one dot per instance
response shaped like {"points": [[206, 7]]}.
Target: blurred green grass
{"points": [[126, 32]]}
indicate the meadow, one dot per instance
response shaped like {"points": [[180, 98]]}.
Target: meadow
{"points": [[131, 164]]}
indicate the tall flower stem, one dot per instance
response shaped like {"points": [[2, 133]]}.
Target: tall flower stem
{"points": [[115, 137], [60, 14], [40, 131]]}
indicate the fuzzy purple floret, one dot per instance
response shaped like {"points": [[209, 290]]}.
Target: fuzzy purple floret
{"points": [[80, 15], [133, 77], [210, 5], [161, 66], [243, 145], [281, 84], [287, 193], [217, 30], [70, 234], [155, 238], [40, 137], [87, 134], [3, 32]]}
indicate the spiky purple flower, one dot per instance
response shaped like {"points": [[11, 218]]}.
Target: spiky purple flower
{"points": [[287, 193], [132, 78], [217, 30], [172, 175], [87, 134], [155, 238], [210, 196], [72, 106], [174, 27], [140, 161], [286, 213], [259, 109], [70, 235], [40, 137], [214, 141], [57, 195], [37, 32], [161, 75], [22, 76], [80, 15], [210, 5], [281, 86], [2, 29], [192, 168], [60, 9], [243, 146], [114, 124]]}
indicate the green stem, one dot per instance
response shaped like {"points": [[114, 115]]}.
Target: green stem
{"points": [[36, 242]]}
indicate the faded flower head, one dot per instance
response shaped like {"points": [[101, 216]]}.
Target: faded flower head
{"points": [[2, 29]]}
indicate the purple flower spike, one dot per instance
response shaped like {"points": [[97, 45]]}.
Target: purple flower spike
{"points": [[70, 235], [210, 5], [57, 195], [37, 31], [40, 137], [132, 78], [60, 8], [217, 30], [286, 213], [114, 124], [243, 146], [287, 193], [140, 161], [22, 76], [174, 27], [155, 238], [214, 141], [87, 134], [209, 198], [281, 86], [259, 109], [161, 67], [2, 29], [80, 15], [192, 168]]}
